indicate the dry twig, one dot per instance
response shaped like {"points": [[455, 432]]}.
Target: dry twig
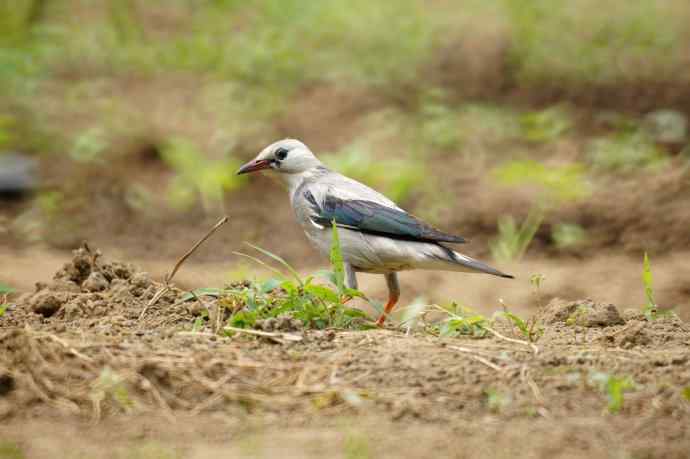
{"points": [[169, 277]]}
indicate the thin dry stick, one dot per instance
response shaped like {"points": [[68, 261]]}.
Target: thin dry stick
{"points": [[477, 357], [276, 336], [169, 276], [511, 340]]}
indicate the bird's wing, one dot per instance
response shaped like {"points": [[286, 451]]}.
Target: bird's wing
{"points": [[368, 216]]}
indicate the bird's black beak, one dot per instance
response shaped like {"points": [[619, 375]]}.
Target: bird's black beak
{"points": [[254, 165]]}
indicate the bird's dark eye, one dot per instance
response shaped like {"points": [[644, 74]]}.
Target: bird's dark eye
{"points": [[281, 153]]}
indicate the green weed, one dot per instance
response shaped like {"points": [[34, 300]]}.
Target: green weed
{"points": [[496, 401], [111, 386], [686, 393], [315, 305], [513, 240], [568, 44], [462, 320], [560, 183], [198, 177], [5, 289], [440, 126], [526, 328], [614, 387], [545, 125], [626, 152], [568, 235], [650, 308]]}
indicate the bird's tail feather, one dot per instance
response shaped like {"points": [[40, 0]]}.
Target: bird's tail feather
{"points": [[470, 264]]}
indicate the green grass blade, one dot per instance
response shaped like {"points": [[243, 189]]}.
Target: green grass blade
{"points": [[262, 263], [647, 279], [275, 257]]}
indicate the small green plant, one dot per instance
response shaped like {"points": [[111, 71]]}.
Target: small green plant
{"points": [[513, 240], [546, 125], [89, 145], [440, 126], [650, 309], [626, 152], [201, 320], [536, 280], [314, 305], [462, 320], [111, 386], [614, 387], [496, 401], [568, 235], [526, 328], [686, 393], [5, 290], [198, 177], [560, 183]]}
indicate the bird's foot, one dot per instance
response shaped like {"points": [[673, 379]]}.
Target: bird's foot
{"points": [[381, 320]]}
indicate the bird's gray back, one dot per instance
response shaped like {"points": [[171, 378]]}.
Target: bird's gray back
{"points": [[323, 182]]}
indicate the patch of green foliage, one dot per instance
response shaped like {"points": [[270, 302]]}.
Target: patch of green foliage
{"points": [[614, 387], [496, 400], [568, 235], [512, 240], [561, 183], [686, 393], [545, 125], [650, 308], [111, 386], [4, 291], [198, 177], [576, 42], [527, 328], [462, 321], [626, 152], [439, 126], [315, 305], [397, 178]]}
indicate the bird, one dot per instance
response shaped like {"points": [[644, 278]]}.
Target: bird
{"points": [[376, 236]]}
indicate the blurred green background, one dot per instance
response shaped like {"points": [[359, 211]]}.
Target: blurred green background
{"points": [[557, 129]]}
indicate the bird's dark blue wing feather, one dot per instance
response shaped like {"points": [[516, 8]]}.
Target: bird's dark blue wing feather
{"points": [[373, 218]]}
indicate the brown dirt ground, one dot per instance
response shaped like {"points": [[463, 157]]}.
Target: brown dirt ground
{"points": [[82, 373]]}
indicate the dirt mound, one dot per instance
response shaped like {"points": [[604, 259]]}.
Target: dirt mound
{"points": [[77, 350], [90, 292], [586, 321]]}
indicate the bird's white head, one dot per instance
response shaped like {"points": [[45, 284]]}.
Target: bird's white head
{"points": [[287, 156]]}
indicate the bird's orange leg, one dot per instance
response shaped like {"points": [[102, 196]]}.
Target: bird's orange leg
{"points": [[393, 297]]}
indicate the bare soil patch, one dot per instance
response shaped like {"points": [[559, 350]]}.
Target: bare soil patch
{"points": [[75, 355]]}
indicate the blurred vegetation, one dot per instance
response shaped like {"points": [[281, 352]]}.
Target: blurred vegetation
{"points": [[209, 82]]}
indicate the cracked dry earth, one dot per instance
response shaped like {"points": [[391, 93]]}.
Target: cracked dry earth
{"points": [[83, 375]]}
